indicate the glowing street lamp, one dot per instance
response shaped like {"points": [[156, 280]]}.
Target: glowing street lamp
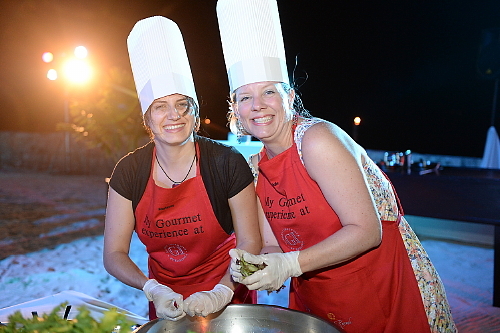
{"points": [[47, 57], [81, 52], [52, 74], [357, 121], [75, 70]]}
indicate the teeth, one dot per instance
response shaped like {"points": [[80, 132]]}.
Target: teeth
{"points": [[171, 127], [262, 120]]}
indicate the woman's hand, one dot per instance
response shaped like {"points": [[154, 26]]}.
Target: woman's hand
{"points": [[278, 268], [168, 303], [204, 303]]}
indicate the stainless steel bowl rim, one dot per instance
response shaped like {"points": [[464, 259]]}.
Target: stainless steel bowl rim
{"points": [[245, 318]]}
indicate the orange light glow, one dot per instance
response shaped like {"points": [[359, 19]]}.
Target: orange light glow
{"points": [[52, 74], [47, 57], [207, 121], [77, 70], [357, 121], [81, 52]]}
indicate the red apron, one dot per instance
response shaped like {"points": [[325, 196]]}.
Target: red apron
{"points": [[376, 292], [188, 249]]}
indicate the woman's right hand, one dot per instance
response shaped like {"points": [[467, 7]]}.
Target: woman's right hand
{"points": [[278, 267], [168, 303]]}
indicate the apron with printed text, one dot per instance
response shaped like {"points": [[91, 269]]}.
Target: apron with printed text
{"points": [[188, 249], [375, 292]]}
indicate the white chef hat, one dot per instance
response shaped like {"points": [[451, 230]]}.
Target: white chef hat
{"points": [[252, 41], [159, 60]]}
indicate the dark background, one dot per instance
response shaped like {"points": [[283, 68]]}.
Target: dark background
{"points": [[407, 68]]}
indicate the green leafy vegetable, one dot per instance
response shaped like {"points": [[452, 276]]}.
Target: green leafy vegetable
{"points": [[247, 268], [111, 322]]}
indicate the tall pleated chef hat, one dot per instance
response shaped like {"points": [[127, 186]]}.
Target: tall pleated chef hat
{"points": [[159, 61], [252, 41]]}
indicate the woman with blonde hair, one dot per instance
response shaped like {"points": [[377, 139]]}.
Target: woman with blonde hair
{"points": [[330, 219]]}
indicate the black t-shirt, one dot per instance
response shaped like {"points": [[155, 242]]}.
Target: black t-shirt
{"points": [[223, 169]]}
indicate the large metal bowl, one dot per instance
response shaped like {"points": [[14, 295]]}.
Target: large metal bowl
{"points": [[244, 318]]}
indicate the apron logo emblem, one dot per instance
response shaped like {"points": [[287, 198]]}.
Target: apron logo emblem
{"points": [[176, 252], [292, 239], [339, 322], [147, 222]]}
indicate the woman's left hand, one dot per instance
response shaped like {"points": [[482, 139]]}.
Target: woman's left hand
{"points": [[204, 303]]}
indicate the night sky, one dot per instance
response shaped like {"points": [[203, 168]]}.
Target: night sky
{"points": [[407, 68]]}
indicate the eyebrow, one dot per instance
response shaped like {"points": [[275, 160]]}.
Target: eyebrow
{"points": [[270, 85], [165, 102], [273, 86]]}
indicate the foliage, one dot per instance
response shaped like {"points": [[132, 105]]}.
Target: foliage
{"points": [[247, 268], [110, 118], [112, 321]]}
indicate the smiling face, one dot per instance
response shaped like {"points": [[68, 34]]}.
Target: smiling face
{"points": [[264, 109], [172, 119]]}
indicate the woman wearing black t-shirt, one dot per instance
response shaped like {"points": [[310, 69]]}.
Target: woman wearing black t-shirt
{"points": [[189, 198]]}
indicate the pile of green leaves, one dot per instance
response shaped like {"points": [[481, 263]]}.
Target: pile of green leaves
{"points": [[111, 322], [247, 268]]}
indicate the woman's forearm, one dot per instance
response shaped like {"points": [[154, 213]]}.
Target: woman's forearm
{"points": [[119, 265], [270, 249]]}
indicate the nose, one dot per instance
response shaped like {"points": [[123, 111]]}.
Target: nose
{"points": [[173, 114], [257, 103]]}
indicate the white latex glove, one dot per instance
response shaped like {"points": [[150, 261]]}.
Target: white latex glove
{"points": [[234, 268], [204, 303], [168, 303], [280, 266]]}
